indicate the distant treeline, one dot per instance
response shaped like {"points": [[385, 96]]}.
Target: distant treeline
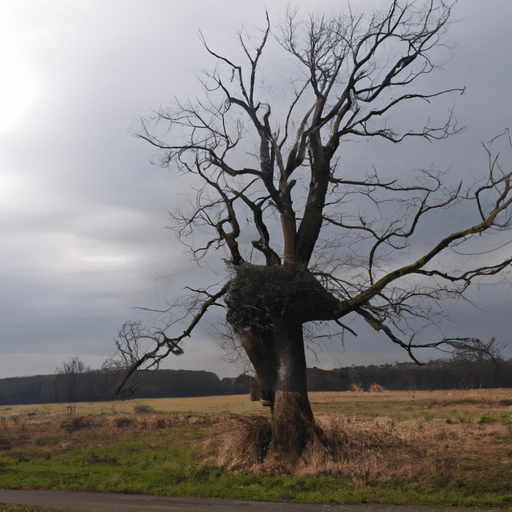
{"points": [[100, 385], [437, 374]]}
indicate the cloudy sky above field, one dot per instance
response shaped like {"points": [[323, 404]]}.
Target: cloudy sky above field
{"points": [[84, 212]]}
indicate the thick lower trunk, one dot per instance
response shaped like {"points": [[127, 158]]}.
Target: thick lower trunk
{"points": [[292, 418], [280, 364]]}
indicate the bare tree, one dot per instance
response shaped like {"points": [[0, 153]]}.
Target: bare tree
{"points": [[343, 243], [69, 379], [475, 349], [479, 361]]}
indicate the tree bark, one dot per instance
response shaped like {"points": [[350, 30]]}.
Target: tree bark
{"points": [[292, 418], [279, 360]]}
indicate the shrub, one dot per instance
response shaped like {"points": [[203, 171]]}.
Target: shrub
{"points": [[5, 444], [487, 419], [76, 423], [143, 409], [160, 423], [122, 422]]}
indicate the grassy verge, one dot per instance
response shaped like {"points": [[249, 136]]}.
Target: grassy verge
{"points": [[461, 456], [174, 473]]}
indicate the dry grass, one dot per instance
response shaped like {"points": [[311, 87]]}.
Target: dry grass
{"points": [[81, 431], [493, 397], [457, 434], [459, 405], [378, 452]]}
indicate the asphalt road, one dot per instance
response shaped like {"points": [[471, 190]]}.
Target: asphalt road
{"points": [[113, 502]]}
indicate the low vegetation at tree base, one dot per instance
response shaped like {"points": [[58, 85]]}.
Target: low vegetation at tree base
{"points": [[444, 449]]}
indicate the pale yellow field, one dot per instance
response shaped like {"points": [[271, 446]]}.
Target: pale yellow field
{"points": [[237, 404], [361, 404]]}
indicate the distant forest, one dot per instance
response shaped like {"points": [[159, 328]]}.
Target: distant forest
{"points": [[100, 385]]}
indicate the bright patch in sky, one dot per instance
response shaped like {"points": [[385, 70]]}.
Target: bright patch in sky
{"points": [[18, 83], [93, 255]]}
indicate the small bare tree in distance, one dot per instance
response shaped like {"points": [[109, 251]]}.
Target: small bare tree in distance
{"points": [[69, 379], [302, 236]]}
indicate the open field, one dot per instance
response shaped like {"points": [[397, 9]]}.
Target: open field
{"points": [[398, 405], [237, 404], [450, 448], [456, 405]]}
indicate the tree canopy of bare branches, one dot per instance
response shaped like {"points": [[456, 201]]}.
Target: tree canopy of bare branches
{"points": [[305, 240]]}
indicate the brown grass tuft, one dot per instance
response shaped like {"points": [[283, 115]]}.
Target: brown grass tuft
{"points": [[246, 443], [364, 450], [77, 423], [122, 422], [142, 409], [13, 434]]}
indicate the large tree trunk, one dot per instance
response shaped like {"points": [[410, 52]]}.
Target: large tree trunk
{"points": [[292, 418], [267, 307], [279, 361]]}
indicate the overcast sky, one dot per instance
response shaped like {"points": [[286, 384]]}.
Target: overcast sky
{"points": [[84, 212]]}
